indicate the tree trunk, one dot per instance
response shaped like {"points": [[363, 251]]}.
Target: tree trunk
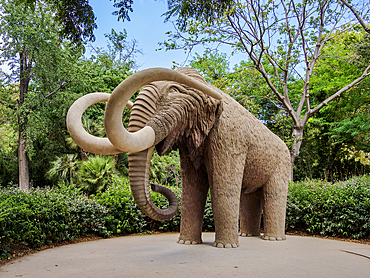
{"points": [[294, 153], [84, 155], [24, 180], [25, 66]]}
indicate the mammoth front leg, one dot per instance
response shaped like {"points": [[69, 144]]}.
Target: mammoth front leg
{"points": [[194, 195], [225, 182]]}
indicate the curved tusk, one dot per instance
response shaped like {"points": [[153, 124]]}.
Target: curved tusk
{"points": [[144, 138], [79, 135], [129, 104]]}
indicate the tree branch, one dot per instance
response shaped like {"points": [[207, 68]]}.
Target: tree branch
{"points": [[337, 94], [363, 24], [310, 66], [281, 108], [8, 105], [239, 70], [61, 85]]}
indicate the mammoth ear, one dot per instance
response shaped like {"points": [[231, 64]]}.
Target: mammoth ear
{"points": [[210, 113], [202, 119]]}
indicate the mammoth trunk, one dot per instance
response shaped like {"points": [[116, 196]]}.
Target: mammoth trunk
{"points": [[139, 162]]}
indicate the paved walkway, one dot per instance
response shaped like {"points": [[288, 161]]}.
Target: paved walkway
{"points": [[160, 256]]}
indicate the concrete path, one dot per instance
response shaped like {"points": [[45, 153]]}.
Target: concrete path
{"points": [[160, 256]]}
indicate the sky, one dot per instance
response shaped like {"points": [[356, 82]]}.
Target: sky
{"points": [[146, 26]]}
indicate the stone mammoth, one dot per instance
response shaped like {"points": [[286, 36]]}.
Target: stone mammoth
{"points": [[222, 147]]}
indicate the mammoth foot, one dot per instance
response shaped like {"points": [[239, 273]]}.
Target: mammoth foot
{"points": [[248, 234], [188, 242], [274, 238], [227, 245]]}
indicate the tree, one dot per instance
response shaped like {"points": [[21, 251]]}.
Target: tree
{"points": [[345, 120], [76, 19], [41, 65], [283, 40], [202, 10]]}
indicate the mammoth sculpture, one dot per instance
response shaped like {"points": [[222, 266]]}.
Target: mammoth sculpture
{"points": [[222, 147]]}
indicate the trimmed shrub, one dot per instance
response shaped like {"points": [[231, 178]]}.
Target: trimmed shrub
{"points": [[49, 215], [339, 209], [124, 215]]}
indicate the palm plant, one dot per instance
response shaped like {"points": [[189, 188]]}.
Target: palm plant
{"points": [[64, 169], [93, 126], [96, 173]]}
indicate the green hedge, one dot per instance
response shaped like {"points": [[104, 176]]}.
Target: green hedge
{"points": [[126, 218], [48, 215], [340, 209], [52, 215]]}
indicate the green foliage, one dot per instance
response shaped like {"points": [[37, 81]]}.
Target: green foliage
{"points": [[122, 164], [290, 69], [57, 76], [353, 132], [64, 169], [208, 220], [124, 215], [8, 167], [49, 215], [4, 211], [96, 173], [211, 64], [165, 169], [123, 6], [339, 209], [337, 145], [52, 215], [76, 17], [203, 10]]}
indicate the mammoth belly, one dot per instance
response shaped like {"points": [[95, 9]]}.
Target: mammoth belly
{"points": [[256, 175]]}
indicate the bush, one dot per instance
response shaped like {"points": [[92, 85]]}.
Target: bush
{"points": [[63, 169], [124, 215], [340, 209], [44, 216], [208, 220]]}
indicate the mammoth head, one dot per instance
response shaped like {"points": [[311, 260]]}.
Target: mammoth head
{"points": [[173, 107], [178, 114]]}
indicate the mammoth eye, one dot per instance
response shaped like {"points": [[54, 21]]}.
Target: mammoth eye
{"points": [[174, 91]]}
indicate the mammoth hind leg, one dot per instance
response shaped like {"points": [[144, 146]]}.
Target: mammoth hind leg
{"points": [[250, 213], [275, 195]]}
